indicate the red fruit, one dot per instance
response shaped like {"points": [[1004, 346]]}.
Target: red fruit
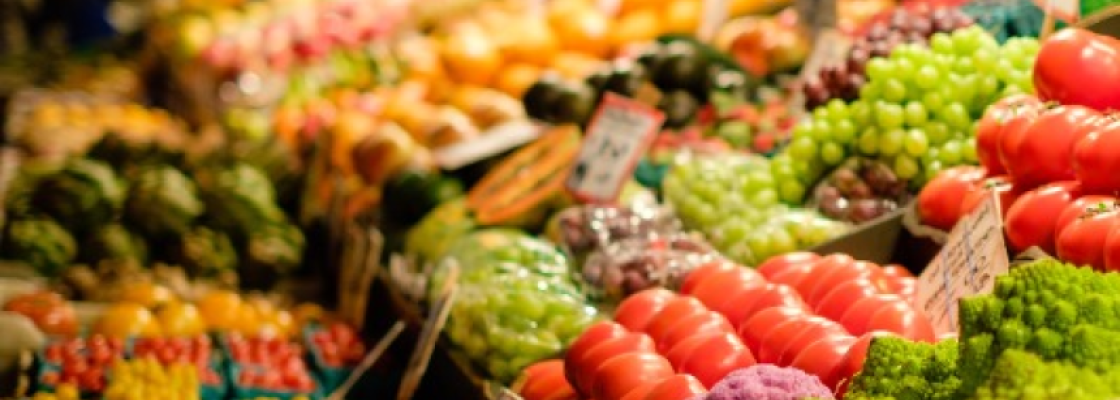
{"points": [[716, 358], [1073, 57], [753, 332], [744, 305], [821, 357], [991, 127], [1082, 241], [1044, 150], [1000, 185], [1095, 161], [676, 387], [939, 202], [777, 264], [1030, 221], [638, 309]]}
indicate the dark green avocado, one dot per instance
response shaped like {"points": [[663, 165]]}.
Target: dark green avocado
{"points": [[684, 67], [679, 107], [626, 78], [540, 99]]}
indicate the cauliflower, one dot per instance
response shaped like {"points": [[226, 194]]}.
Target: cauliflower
{"points": [[768, 382]]}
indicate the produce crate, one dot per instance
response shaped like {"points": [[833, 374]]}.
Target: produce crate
{"points": [[246, 393], [1104, 22], [329, 376], [885, 241]]}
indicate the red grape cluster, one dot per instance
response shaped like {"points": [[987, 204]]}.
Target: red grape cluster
{"points": [[844, 79]]}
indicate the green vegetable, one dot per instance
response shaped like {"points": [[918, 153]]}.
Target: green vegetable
{"points": [[162, 202], [1022, 375], [900, 369], [430, 239], [84, 195], [204, 252], [410, 195], [239, 199], [41, 243], [113, 242], [272, 251]]}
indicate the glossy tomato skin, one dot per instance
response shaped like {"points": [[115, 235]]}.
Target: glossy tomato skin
{"points": [[794, 274], [640, 392], [939, 202], [904, 319], [896, 270], [1044, 151], [701, 273], [852, 362], [1078, 207], [762, 298], [844, 273], [1001, 185], [1071, 57], [843, 296], [776, 264], [713, 290], [676, 387], [1095, 160], [626, 372], [774, 338], [595, 335], [826, 265], [682, 350], [586, 366], [1016, 122], [1082, 241], [676, 310], [547, 382], [1030, 221], [51, 313], [821, 357], [857, 319], [815, 329], [637, 310], [716, 358], [693, 325], [991, 126], [754, 331]]}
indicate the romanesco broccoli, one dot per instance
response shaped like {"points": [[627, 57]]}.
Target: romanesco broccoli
{"points": [[896, 368], [1020, 375]]}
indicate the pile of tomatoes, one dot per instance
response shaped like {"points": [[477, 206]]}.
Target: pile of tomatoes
{"points": [[269, 363], [796, 310], [81, 362], [337, 345], [1041, 160], [197, 351]]}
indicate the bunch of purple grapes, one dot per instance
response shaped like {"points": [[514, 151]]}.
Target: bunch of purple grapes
{"points": [[860, 190], [843, 79]]}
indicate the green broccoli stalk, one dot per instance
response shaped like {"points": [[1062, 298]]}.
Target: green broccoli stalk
{"points": [[1020, 375], [896, 368]]}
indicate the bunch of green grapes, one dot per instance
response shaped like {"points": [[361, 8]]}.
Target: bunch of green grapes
{"points": [[918, 110]]}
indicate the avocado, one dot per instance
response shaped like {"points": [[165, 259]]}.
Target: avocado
{"points": [[575, 104], [652, 57], [598, 79], [684, 67], [626, 78], [724, 80], [540, 99], [679, 107], [410, 195]]}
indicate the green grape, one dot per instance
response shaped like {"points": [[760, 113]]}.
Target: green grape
{"points": [[951, 153], [838, 110], [757, 180], [985, 60], [937, 132], [844, 131], [932, 169], [879, 69], [791, 191], [759, 245], [889, 116], [906, 167], [916, 114], [869, 91], [869, 141], [964, 66], [941, 43], [933, 100], [894, 90], [891, 142], [707, 189], [915, 143], [803, 129], [809, 170], [823, 131], [832, 153], [987, 88], [735, 231], [803, 148], [968, 151], [860, 112], [764, 197], [956, 115], [820, 114], [781, 241]]}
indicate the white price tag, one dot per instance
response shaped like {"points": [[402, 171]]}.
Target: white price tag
{"points": [[494, 141], [972, 258], [616, 140]]}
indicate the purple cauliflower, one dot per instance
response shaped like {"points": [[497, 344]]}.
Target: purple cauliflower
{"points": [[768, 382]]}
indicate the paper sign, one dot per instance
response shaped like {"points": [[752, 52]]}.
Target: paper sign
{"points": [[1065, 10], [972, 258], [429, 335], [616, 140], [494, 141], [713, 14]]}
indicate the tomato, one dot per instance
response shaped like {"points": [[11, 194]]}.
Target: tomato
{"points": [[1016, 123], [939, 202], [595, 335], [859, 315], [904, 319], [675, 310], [680, 351], [745, 304], [544, 381], [1078, 207], [637, 310], [794, 274], [716, 358], [1076, 66], [843, 272], [852, 362], [895, 270], [776, 264], [693, 325], [1001, 185], [713, 290], [1082, 241], [640, 392], [1030, 221], [51, 313], [619, 375], [584, 368], [754, 330], [699, 274], [821, 357], [815, 328], [905, 287], [777, 336], [1095, 161], [990, 128], [1043, 152], [840, 298], [821, 267], [676, 387]]}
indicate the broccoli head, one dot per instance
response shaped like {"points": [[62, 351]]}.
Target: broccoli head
{"points": [[896, 368], [1021, 375]]}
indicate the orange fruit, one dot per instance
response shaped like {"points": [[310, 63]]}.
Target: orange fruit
{"points": [[636, 27], [471, 57], [308, 312], [180, 320], [249, 321], [126, 319], [682, 16], [516, 78], [146, 294], [586, 31], [220, 309], [575, 65]]}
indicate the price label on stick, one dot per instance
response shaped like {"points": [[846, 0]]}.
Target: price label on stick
{"points": [[973, 256], [616, 140]]}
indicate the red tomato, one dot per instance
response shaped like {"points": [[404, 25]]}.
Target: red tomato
{"points": [[1072, 57], [676, 310], [821, 267], [904, 319], [895, 270], [793, 275], [852, 362], [638, 309], [585, 367], [1082, 242], [699, 274], [682, 350], [836, 302], [716, 358], [815, 328], [545, 381], [844, 272], [710, 322], [1078, 207], [939, 202], [821, 357], [676, 387], [1016, 123], [1030, 221], [754, 330], [1044, 151], [990, 128], [776, 264], [905, 287], [595, 335], [744, 305], [619, 375], [1095, 161], [859, 315], [1000, 185], [640, 392], [714, 289], [777, 336]]}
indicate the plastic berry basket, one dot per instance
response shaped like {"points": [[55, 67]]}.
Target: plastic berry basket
{"points": [[45, 367], [240, 392], [330, 377]]}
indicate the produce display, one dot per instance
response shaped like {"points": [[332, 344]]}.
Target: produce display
{"points": [[628, 266]]}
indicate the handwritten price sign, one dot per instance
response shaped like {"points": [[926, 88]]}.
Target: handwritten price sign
{"points": [[616, 140]]}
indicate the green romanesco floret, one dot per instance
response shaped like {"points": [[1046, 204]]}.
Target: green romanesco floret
{"points": [[899, 369], [1020, 375]]}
